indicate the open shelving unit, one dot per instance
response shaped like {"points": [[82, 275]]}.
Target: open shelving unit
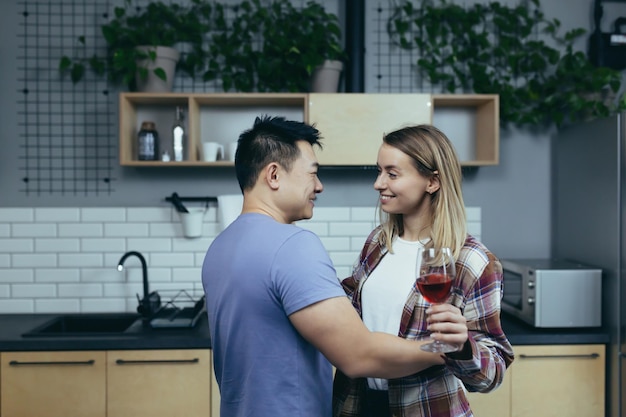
{"points": [[351, 124]]}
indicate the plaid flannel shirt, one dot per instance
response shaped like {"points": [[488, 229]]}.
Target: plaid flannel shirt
{"points": [[438, 391]]}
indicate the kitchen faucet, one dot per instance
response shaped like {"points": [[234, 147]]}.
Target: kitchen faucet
{"points": [[150, 302]]}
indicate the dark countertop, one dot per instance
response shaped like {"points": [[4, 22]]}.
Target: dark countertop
{"points": [[13, 325]]}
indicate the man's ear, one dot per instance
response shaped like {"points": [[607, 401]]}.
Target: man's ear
{"points": [[271, 175]]}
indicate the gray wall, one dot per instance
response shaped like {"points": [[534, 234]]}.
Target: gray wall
{"points": [[514, 196]]}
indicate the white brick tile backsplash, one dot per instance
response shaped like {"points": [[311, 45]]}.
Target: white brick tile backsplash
{"points": [[17, 275], [57, 305], [349, 228], [357, 242], [191, 245], [126, 229], [107, 305], [65, 259], [104, 244], [78, 260], [199, 258], [344, 258], [169, 230], [34, 230], [149, 214], [104, 274], [17, 214], [33, 290], [80, 230], [146, 244], [16, 245], [319, 228], [364, 214], [57, 245], [57, 275], [324, 214], [5, 230], [187, 274], [80, 290], [34, 260], [123, 290], [473, 214], [57, 215], [100, 215], [8, 306], [335, 243], [171, 259]]}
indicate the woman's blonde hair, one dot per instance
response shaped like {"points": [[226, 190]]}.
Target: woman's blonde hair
{"points": [[432, 154]]}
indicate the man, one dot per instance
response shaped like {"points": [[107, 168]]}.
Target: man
{"points": [[276, 308]]}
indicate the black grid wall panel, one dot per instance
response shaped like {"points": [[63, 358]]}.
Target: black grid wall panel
{"points": [[67, 132]]}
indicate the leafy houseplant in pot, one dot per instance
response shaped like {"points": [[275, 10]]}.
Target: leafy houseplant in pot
{"points": [[271, 46], [496, 49], [141, 44]]}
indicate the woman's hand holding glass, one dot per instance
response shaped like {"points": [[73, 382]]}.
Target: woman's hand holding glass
{"points": [[435, 274]]}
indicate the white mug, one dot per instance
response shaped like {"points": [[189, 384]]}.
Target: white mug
{"points": [[212, 151], [232, 149]]}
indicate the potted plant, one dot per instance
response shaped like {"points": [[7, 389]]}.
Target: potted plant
{"points": [[135, 38], [272, 46], [493, 48]]}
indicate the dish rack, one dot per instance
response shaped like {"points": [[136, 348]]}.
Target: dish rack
{"points": [[182, 310]]}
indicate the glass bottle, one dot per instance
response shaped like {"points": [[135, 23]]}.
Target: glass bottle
{"points": [[147, 142], [178, 136]]}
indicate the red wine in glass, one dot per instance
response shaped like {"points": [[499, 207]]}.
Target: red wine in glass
{"points": [[435, 272], [435, 287]]}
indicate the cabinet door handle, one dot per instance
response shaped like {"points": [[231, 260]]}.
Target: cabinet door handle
{"points": [[587, 356], [20, 363], [156, 361]]}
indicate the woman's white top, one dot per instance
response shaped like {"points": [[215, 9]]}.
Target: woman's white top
{"points": [[386, 291]]}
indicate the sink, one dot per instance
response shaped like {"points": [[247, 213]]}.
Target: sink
{"points": [[76, 325]]}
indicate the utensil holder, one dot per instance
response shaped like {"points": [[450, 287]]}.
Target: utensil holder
{"points": [[192, 222]]}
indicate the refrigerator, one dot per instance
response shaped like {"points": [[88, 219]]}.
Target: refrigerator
{"points": [[589, 225]]}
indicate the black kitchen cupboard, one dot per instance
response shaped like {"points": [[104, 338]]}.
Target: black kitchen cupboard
{"points": [[352, 124], [548, 380]]}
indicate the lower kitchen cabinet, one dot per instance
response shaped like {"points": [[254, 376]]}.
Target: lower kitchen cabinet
{"points": [[154, 383], [121, 383], [549, 381], [53, 384]]}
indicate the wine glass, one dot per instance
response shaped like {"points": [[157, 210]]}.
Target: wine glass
{"points": [[435, 273]]}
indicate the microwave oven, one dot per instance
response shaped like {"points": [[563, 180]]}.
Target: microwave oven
{"points": [[552, 293]]}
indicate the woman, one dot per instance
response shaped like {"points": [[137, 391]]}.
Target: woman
{"points": [[419, 182]]}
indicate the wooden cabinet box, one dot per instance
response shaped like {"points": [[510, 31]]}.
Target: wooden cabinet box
{"points": [[53, 384], [548, 381], [108, 383], [352, 124], [153, 383]]}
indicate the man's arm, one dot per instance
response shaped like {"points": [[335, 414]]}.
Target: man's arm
{"points": [[335, 328]]}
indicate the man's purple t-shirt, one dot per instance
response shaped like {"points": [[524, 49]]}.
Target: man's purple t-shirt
{"points": [[255, 274]]}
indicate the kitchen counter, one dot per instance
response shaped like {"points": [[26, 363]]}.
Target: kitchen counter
{"points": [[13, 325], [520, 333]]}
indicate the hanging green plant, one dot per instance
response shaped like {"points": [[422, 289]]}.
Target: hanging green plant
{"points": [[133, 25], [270, 45], [492, 48]]}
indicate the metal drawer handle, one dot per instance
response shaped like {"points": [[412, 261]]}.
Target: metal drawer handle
{"points": [[588, 356], [125, 362], [19, 363]]}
